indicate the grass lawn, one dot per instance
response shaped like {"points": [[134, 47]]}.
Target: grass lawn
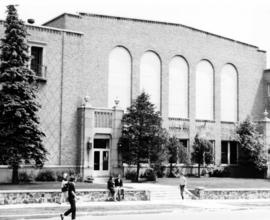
{"points": [[192, 182], [50, 185], [213, 182]]}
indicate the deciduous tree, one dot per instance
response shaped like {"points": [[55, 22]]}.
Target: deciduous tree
{"points": [[202, 152]]}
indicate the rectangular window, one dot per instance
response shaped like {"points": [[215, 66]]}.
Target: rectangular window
{"points": [[213, 149], [233, 152], [37, 61], [224, 152], [229, 152], [184, 142], [268, 89], [96, 160]]}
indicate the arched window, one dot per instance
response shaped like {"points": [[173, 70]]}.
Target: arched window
{"points": [[204, 91], [228, 93], [119, 83], [178, 88], [150, 68]]}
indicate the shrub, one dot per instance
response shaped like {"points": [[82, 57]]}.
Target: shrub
{"points": [[160, 170], [175, 172], [150, 175], [131, 175], [220, 172], [46, 175], [24, 177]]}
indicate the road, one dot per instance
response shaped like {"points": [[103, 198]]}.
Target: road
{"points": [[186, 215], [184, 210]]}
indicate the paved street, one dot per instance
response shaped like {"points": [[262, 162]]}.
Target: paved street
{"points": [[176, 215], [188, 209]]}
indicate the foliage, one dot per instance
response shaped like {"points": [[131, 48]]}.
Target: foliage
{"points": [[131, 175], [46, 175], [175, 172], [220, 172], [202, 152], [20, 137], [24, 177], [176, 153], [252, 152], [143, 139], [159, 170], [150, 175]]}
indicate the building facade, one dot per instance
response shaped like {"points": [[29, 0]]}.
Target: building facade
{"points": [[90, 68]]}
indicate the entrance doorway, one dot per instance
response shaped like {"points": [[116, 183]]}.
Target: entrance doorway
{"points": [[101, 157]]}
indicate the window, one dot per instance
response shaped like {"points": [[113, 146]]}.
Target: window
{"points": [[268, 89], [150, 73], [178, 88], [229, 152], [204, 91], [184, 142], [228, 93], [37, 61], [119, 81]]}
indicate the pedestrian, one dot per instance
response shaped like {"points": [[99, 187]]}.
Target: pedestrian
{"points": [[111, 188], [64, 193], [182, 183], [119, 187], [71, 199]]}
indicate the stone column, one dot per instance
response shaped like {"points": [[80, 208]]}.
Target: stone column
{"points": [[115, 161], [86, 117]]}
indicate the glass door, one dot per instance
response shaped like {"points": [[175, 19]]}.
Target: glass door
{"points": [[101, 157]]}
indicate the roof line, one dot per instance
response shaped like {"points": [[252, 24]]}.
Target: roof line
{"points": [[59, 16], [162, 23], [50, 28]]}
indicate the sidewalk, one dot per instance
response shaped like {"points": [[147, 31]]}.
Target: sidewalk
{"points": [[128, 207]]}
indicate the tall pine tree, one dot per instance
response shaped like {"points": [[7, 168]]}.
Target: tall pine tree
{"points": [[20, 136], [143, 138]]}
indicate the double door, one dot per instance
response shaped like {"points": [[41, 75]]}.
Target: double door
{"points": [[101, 157]]}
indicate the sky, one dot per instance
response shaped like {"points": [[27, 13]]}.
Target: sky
{"points": [[243, 20]]}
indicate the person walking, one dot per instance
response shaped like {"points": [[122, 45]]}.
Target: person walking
{"points": [[64, 193], [182, 184], [71, 199], [119, 187]]}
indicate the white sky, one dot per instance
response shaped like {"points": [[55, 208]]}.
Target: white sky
{"points": [[243, 20]]}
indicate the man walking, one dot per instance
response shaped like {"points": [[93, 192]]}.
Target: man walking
{"points": [[71, 199], [182, 184]]}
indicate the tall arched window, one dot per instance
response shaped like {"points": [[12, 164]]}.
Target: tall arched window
{"points": [[119, 83], [204, 91], [150, 68], [228, 93], [178, 88]]}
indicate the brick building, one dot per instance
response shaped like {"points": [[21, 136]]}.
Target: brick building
{"points": [[90, 67]]}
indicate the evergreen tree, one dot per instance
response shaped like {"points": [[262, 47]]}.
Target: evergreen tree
{"points": [[202, 152], [252, 153], [143, 139], [20, 137], [172, 151]]}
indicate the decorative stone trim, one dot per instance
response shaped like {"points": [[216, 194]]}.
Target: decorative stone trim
{"points": [[203, 193], [53, 196]]}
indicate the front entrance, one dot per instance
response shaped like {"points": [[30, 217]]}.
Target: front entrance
{"points": [[101, 157]]}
